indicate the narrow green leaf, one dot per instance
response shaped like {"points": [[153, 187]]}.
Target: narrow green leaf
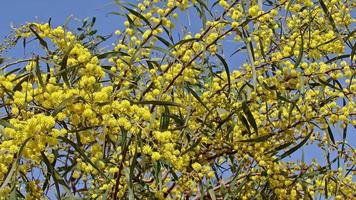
{"points": [[295, 148], [288, 6], [63, 64], [115, 13], [93, 20], [175, 176], [178, 120], [164, 51], [13, 194], [328, 15], [131, 175], [162, 103], [164, 41], [184, 41], [258, 139], [39, 73], [283, 146], [238, 50], [191, 147], [23, 77], [203, 5], [340, 57], [53, 174], [226, 69], [132, 24], [353, 51], [245, 123], [331, 136], [12, 71], [196, 96], [344, 135], [328, 84], [14, 165], [164, 123], [326, 189], [111, 53], [5, 123], [249, 115], [82, 154], [212, 194], [139, 15], [301, 49], [62, 105], [42, 41]]}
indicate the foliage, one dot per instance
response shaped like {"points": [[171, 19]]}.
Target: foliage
{"points": [[164, 117]]}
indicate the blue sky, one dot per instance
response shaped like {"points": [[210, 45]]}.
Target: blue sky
{"points": [[17, 12], [20, 11]]}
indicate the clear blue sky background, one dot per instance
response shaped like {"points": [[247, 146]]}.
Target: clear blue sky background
{"points": [[20, 11]]}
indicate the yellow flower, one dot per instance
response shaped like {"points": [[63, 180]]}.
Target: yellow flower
{"points": [[196, 166], [156, 156]]}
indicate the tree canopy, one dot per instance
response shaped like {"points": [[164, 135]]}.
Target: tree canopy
{"points": [[167, 112]]}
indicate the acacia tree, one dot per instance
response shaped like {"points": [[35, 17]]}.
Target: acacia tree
{"points": [[167, 114]]}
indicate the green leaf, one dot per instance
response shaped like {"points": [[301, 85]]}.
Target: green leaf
{"points": [[295, 148], [131, 175], [82, 154], [203, 5], [42, 41], [115, 13], [111, 53], [288, 6], [328, 15], [326, 189], [181, 42], [226, 69], [238, 50], [13, 194], [258, 139], [53, 173], [23, 77], [339, 57], [12, 71], [329, 84], [63, 64], [164, 51], [344, 135], [249, 115], [164, 123], [132, 24], [191, 147], [196, 96], [212, 194], [5, 123], [164, 41], [161, 103], [245, 123], [139, 15], [331, 136], [14, 165], [300, 56], [62, 105], [283, 146], [353, 51], [39, 74]]}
